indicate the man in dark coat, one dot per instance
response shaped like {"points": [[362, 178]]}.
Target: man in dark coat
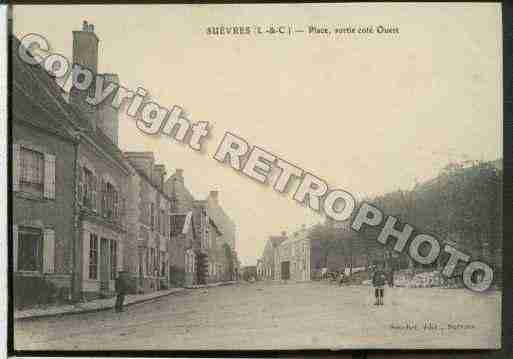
{"points": [[121, 291], [378, 281]]}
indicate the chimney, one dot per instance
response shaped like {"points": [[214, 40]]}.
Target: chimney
{"points": [[159, 172], [108, 115], [143, 161], [85, 54], [215, 196]]}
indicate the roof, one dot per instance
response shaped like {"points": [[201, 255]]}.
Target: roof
{"points": [[277, 240], [42, 89], [35, 92], [147, 179]]}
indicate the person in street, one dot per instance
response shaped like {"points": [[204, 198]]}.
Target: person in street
{"points": [[121, 290], [378, 281]]}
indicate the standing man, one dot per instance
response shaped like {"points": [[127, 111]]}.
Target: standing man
{"points": [[121, 290], [378, 281]]}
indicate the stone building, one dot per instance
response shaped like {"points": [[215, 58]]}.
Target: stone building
{"points": [[102, 180], [148, 253], [292, 258], [44, 154], [189, 234], [83, 210], [222, 254], [69, 180]]}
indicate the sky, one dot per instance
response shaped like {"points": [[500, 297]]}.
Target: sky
{"points": [[368, 114]]}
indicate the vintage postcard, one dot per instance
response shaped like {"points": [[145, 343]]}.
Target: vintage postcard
{"points": [[256, 177]]}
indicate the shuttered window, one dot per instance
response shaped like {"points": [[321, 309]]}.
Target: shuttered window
{"points": [[88, 188], [110, 201], [29, 249], [33, 172], [30, 171]]}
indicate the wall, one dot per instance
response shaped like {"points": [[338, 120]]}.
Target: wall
{"points": [[56, 214]]}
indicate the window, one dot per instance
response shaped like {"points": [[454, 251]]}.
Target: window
{"points": [[30, 243], [177, 224], [113, 258], [93, 256], [31, 171], [89, 186], [109, 201]]}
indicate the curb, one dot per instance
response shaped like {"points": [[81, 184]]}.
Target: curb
{"points": [[94, 310], [210, 285]]}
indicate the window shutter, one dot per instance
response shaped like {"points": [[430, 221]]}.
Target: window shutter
{"points": [[85, 255], [116, 205], [103, 207], [187, 222], [16, 168], [15, 248], [49, 183], [48, 251], [119, 256], [94, 195], [80, 188]]}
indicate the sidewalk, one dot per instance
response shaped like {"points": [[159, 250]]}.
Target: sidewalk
{"points": [[103, 304], [92, 306]]}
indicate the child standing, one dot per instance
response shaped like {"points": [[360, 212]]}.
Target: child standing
{"points": [[378, 281]]}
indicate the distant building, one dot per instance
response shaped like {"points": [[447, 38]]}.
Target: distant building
{"points": [[292, 258], [268, 260], [148, 250], [189, 235]]}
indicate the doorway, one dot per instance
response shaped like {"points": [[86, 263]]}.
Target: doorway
{"points": [[285, 270]]}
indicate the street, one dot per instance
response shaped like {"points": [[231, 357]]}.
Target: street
{"points": [[278, 316]]}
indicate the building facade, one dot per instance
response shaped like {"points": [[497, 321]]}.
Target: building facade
{"points": [[268, 260], [44, 145], [293, 258], [149, 223], [75, 178]]}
